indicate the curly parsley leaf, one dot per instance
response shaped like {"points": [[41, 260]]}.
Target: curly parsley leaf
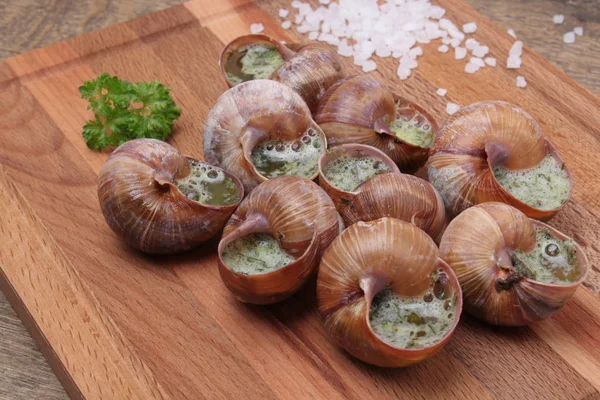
{"points": [[126, 110]]}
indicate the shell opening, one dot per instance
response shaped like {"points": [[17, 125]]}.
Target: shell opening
{"points": [[208, 185], [254, 61], [348, 172], [546, 186], [277, 157], [255, 253], [552, 261], [416, 321], [411, 125]]}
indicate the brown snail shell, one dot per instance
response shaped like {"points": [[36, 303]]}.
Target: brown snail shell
{"points": [[357, 110], [394, 195], [473, 141], [309, 69], [303, 220], [142, 205], [477, 245], [364, 260], [248, 114]]}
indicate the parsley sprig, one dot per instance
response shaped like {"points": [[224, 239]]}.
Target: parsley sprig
{"points": [[126, 110]]}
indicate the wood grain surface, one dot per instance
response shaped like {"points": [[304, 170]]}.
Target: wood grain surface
{"points": [[170, 322]]}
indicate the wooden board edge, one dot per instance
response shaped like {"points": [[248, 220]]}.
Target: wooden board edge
{"points": [[59, 369]]}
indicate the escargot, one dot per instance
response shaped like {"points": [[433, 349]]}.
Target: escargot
{"points": [[162, 202], [495, 151], [360, 109], [513, 270], [262, 129], [275, 239], [309, 69], [384, 294], [365, 185]]}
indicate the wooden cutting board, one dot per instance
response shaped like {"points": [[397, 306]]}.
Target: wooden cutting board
{"points": [[116, 324]]}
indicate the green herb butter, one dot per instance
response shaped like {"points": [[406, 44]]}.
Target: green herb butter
{"points": [[257, 253], [208, 185], [347, 173]]}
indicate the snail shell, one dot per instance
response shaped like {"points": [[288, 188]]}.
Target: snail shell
{"points": [[358, 110], [303, 220], [395, 195], [473, 141], [364, 260], [308, 69], [142, 204], [477, 245], [249, 114]]}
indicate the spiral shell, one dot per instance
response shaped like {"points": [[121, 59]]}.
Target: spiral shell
{"points": [[303, 220], [477, 245], [364, 260], [358, 110], [247, 115], [394, 195], [142, 205], [308, 69], [472, 142]]}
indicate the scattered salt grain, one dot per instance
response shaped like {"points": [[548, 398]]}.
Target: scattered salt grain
{"points": [[578, 30], [455, 42], [441, 92], [558, 19], [284, 12], [471, 27], [298, 19], [369, 66], [513, 62], [460, 53], [324, 2], [296, 4], [512, 33], [415, 52], [471, 44], [569, 37], [313, 35], [491, 61], [477, 61], [447, 40], [256, 28], [471, 68], [521, 82], [443, 48], [452, 108], [286, 24], [516, 49], [481, 51]]}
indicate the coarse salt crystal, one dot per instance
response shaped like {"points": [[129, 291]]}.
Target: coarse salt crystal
{"points": [[521, 82], [460, 53], [513, 62], [441, 92], [558, 19], [569, 37], [455, 42], [452, 108], [471, 27], [284, 12], [512, 33], [481, 51], [516, 49], [298, 19], [477, 61], [296, 4], [286, 24], [256, 28], [447, 40], [578, 30], [471, 68], [443, 48], [403, 72], [369, 66], [313, 35], [491, 61], [471, 44], [325, 2]]}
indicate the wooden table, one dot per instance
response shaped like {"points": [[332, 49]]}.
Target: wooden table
{"points": [[28, 24]]}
